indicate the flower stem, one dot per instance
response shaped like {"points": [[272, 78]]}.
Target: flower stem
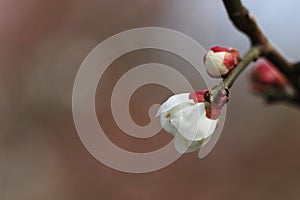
{"points": [[251, 55]]}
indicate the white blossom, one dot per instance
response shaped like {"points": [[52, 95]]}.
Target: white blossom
{"points": [[187, 121]]}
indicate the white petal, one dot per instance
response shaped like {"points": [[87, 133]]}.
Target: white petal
{"points": [[214, 64], [182, 145], [191, 122], [172, 102], [167, 126]]}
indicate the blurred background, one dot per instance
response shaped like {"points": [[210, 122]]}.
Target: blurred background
{"points": [[43, 43]]}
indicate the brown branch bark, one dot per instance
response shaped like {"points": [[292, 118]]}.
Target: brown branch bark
{"points": [[247, 24]]}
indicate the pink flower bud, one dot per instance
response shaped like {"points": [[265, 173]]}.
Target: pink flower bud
{"points": [[219, 61], [265, 75]]}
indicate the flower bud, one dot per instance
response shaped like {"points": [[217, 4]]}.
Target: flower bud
{"points": [[265, 75], [219, 61], [186, 119]]}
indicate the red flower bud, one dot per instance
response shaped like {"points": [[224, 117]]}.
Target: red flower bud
{"points": [[265, 75]]}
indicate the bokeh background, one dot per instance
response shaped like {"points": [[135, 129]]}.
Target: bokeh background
{"points": [[42, 44]]}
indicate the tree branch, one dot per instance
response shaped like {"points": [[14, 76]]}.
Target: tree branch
{"points": [[240, 17]]}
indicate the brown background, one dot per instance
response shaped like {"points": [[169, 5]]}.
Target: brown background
{"points": [[42, 44]]}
